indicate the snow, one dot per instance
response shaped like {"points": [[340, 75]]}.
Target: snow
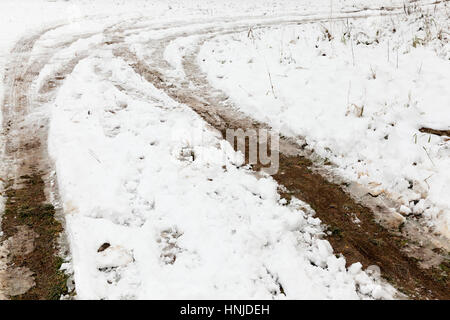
{"points": [[182, 216], [132, 174], [356, 104]]}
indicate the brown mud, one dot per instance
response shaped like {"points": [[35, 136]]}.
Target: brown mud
{"points": [[26, 209], [31, 229], [367, 241]]}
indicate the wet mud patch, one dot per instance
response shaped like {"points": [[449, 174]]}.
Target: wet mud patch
{"points": [[365, 241], [35, 254]]}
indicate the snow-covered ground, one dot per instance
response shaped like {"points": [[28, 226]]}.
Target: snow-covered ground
{"points": [[175, 215], [358, 91], [182, 220]]}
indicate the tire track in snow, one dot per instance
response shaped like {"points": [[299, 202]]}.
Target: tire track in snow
{"points": [[23, 155], [332, 202], [26, 129], [32, 226]]}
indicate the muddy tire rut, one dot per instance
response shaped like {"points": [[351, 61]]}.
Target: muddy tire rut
{"points": [[30, 229], [32, 226]]}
